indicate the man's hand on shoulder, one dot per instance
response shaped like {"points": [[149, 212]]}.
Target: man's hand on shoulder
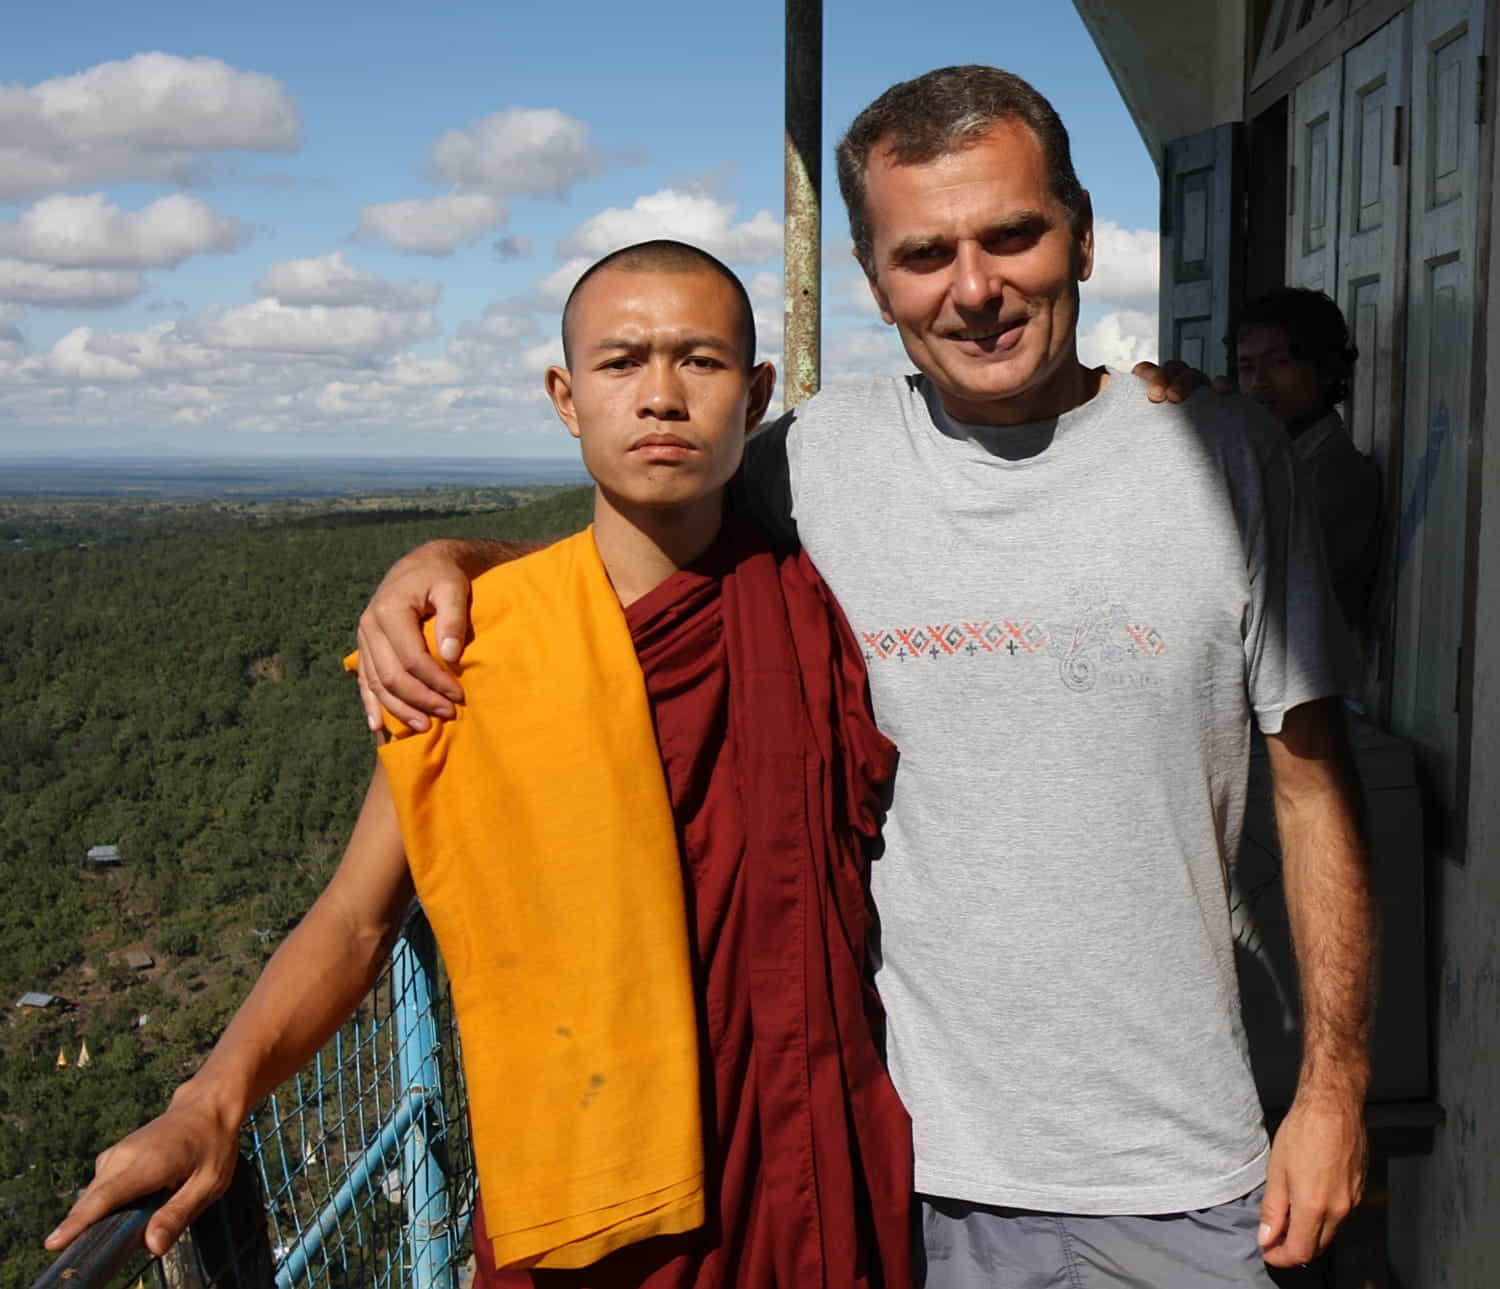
{"points": [[1173, 381], [395, 669]]}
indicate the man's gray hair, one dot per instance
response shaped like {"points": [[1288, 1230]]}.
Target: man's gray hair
{"points": [[943, 112]]}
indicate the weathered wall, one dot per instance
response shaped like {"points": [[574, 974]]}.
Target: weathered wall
{"points": [[1178, 64], [1445, 1209]]}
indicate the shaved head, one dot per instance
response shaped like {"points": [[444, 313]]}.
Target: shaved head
{"points": [[665, 256]]}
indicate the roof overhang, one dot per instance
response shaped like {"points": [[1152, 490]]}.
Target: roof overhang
{"points": [[1178, 64]]}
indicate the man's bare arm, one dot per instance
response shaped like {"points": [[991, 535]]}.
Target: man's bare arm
{"points": [[307, 990], [397, 672], [1317, 1165], [395, 669]]}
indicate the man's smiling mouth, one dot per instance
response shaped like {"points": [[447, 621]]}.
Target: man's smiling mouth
{"points": [[990, 333]]}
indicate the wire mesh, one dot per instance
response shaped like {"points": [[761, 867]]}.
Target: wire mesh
{"points": [[364, 1157]]}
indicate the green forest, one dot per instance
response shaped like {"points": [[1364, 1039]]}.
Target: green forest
{"points": [[171, 683]]}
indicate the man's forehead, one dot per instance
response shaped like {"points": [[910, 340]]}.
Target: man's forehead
{"points": [[1007, 140], [1006, 163]]}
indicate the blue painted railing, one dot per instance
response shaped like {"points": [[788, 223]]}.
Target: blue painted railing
{"points": [[359, 1171]]}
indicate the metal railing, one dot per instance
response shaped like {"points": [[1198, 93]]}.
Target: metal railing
{"points": [[356, 1172]]}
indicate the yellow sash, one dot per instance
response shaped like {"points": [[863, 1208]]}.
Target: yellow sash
{"points": [[540, 837]]}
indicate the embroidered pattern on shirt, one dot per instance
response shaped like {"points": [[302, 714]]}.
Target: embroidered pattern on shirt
{"points": [[1102, 639]]}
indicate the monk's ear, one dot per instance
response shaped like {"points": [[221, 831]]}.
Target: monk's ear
{"points": [[762, 386], [560, 391]]}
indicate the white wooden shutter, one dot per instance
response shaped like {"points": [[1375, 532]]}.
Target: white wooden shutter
{"points": [[1315, 155], [1447, 41], [1201, 249]]}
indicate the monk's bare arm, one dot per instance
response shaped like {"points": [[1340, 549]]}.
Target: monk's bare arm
{"points": [[308, 988], [395, 669], [1317, 1162]]}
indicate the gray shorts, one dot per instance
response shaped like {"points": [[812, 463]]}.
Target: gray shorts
{"points": [[974, 1246]]}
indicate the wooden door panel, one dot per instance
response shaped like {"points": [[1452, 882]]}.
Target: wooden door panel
{"points": [[1315, 159], [1431, 538], [1201, 245]]}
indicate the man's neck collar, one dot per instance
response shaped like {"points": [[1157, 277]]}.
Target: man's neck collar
{"points": [[1075, 387]]}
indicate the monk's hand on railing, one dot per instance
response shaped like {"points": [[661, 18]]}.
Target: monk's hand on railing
{"points": [[1173, 381], [395, 669], [189, 1151]]}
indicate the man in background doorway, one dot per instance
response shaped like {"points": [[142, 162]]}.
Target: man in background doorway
{"points": [[1294, 358]]}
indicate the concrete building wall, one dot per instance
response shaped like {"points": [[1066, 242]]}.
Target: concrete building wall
{"points": [[1445, 1209], [1178, 64]]}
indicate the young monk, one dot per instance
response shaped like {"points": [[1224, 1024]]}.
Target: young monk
{"points": [[655, 925]]}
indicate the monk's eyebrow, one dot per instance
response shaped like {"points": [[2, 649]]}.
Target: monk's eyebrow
{"points": [[677, 344], [718, 343]]}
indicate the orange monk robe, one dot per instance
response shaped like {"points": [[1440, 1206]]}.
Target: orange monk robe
{"points": [[775, 771]]}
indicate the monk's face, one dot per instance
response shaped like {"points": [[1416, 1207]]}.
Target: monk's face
{"points": [[658, 390]]}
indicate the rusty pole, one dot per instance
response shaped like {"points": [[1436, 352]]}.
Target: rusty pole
{"points": [[802, 357]]}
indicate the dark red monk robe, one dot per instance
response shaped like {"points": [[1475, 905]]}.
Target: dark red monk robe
{"points": [[775, 771]]}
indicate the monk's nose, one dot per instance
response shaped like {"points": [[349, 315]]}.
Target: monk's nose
{"points": [[663, 397]]}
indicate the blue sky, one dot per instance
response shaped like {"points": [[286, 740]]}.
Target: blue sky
{"points": [[326, 228]]}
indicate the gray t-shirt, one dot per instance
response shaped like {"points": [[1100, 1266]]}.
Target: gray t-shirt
{"points": [[1067, 627]]}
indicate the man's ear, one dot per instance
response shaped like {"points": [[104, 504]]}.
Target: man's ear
{"points": [[1083, 238], [560, 391], [762, 386], [881, 302]]}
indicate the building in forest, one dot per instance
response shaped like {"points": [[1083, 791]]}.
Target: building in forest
{"points": [[38, 1001]]}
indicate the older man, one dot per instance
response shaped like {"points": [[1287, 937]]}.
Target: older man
{"points": [[1073, 603]]}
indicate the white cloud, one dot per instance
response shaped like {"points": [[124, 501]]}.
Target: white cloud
{"points": [[512, 247], [12, 342], [861, 352], [853, 296], [765, 288], [1120, 339], [688, 216], [356, 332], [554, 288], [1126, 268], [432, 225], [89, 232], [73, 356], [42, 284], [768, 303], [540, 357], [143, 118], [332, 280], [412, 372], [535, 151], [500, 324]]}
